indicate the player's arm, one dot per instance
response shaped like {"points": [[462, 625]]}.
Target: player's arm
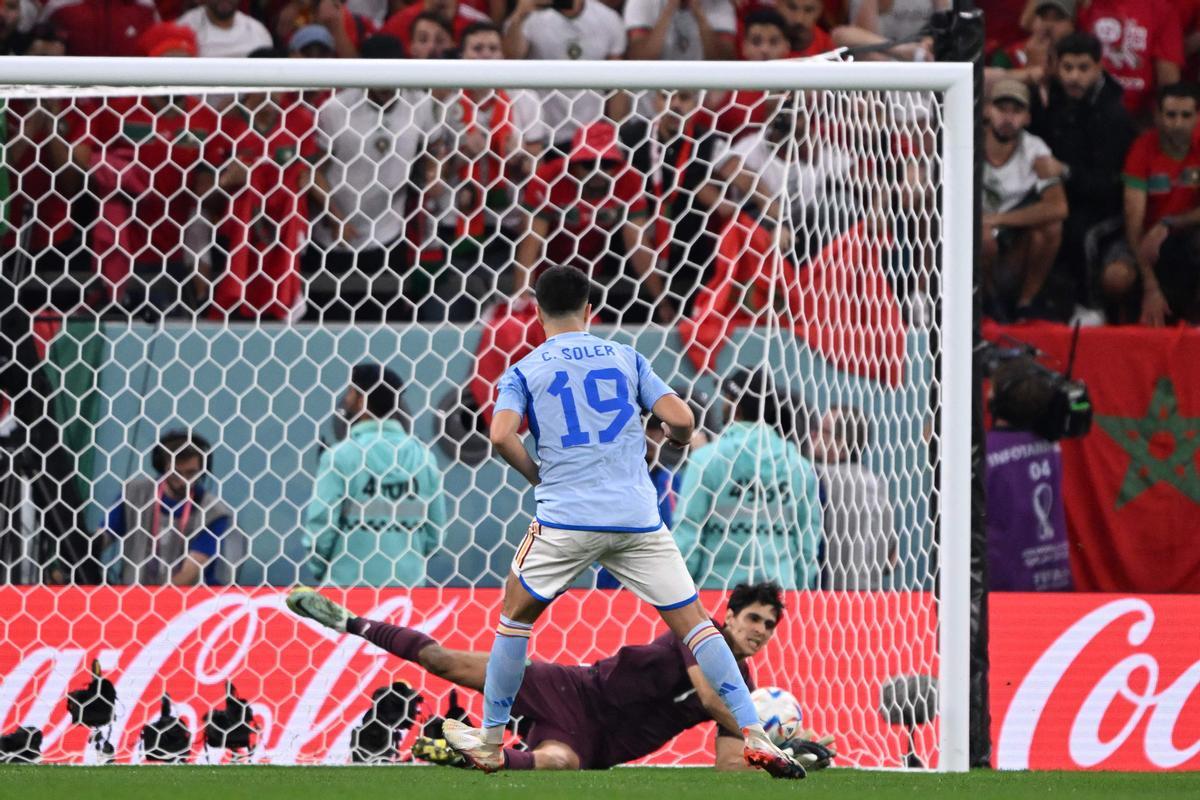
{"points": [[1050, 207], [529, 251], [678, 422], [505, 439]]}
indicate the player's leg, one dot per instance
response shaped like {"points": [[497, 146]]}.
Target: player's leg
{"points": [[650, 565], [460, 667], [545, 564]]}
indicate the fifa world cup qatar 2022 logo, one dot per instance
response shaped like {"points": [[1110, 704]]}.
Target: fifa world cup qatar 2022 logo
{"points": [[1116, 687]]}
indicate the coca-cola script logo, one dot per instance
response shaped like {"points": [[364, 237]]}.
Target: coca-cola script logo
{"points": [[1088, 681]]}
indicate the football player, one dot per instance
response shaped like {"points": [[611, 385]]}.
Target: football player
{"points": [[593, 717], [584, 398]]}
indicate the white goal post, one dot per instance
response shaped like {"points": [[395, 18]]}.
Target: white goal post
{"points": [[952, 132]]}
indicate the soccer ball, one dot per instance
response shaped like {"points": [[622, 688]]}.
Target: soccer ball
{"points": [[779, 712]]}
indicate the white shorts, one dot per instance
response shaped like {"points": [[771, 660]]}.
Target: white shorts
{"points": [[649, 564]]}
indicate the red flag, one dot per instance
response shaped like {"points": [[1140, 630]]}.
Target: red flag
{"points": [[840, 302], [1132, 485], [850, 314]]}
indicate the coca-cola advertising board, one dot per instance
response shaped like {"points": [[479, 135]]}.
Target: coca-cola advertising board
{"points": [[1095, 681], [309, 687]]}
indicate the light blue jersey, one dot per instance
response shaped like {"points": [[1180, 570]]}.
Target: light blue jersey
{"points": [[583, 397]]}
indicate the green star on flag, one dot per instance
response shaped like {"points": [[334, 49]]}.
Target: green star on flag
{"points": [[1162, 446]]}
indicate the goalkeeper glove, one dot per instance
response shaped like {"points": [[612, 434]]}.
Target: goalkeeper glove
{"points": [[812, 753]]}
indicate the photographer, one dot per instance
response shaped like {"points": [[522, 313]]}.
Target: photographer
{"points": [[1026, 524], [169, 528]]}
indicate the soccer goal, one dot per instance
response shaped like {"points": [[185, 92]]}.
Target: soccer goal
{"points": [[198, 254]]}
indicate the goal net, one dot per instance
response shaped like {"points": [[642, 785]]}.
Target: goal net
{"points": [[196, 272]]}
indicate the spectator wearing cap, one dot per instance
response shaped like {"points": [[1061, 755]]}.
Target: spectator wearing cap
{"points": [[1143, 46], [680, 30], [749, 507], [1084, 122], [587, 30], [222, 31], [575, 205], [1024, 205], [378, 509], [369, 140], [346, 29], [312, 41], [1162, 218], [454, 15], [1031, 59]]}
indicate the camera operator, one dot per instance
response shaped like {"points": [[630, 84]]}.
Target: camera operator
{"points": [[1026, 524]]}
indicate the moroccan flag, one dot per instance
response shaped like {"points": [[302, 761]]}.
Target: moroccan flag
{"points": [[1132, 485], [840, 302]]}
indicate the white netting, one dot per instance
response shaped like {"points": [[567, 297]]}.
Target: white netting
{"points": [[219, 262]]}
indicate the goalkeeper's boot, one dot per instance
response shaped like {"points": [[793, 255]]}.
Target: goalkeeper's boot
{"points": [[762, 753], [437, 751], [473, 745], [306, 602]]}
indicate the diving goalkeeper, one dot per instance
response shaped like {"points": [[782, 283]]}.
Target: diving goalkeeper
{"points": [[615, 711]]}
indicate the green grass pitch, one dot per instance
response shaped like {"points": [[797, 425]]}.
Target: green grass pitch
{"points": [[395, 783]]}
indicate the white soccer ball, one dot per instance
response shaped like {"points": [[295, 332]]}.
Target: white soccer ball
{"points": [[779, 712]]}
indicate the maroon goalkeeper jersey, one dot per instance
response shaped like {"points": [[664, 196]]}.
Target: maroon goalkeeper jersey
{"points": [[619, 709]]}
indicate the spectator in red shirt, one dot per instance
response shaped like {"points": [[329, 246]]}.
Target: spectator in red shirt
{"points": [[1143, 45], [1162, 215], [100, 27], [144, 159], [347, 29], [807, 38], [428, 37], [676, 151], [265, 227], [580, 206], [765, 39], [1030, 59], [455, 16]]}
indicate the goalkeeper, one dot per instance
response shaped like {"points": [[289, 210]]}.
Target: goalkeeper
{"points": [[615, 711]]}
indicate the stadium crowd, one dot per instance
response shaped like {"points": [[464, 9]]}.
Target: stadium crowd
{"points": [[246, 207], [433, 206]]}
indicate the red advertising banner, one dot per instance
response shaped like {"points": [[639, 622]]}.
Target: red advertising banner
{"points": [[309, 687], [1095, 681]]}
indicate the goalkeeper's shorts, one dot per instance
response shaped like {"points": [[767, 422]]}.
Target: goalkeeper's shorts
{"points": [[648, 564]]}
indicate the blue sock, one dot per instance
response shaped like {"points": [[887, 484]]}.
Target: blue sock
{"points": [[721, 671], [505, 670]]}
